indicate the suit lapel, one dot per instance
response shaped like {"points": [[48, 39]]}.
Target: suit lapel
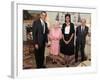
{"points": [[80, 29], [41, 27], [85, 29]]}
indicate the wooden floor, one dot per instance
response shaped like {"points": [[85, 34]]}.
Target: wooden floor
{"points": [[29, 59]]}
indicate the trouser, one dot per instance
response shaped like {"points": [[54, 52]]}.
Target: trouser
{"points": [[81, 48], [39, 56]]}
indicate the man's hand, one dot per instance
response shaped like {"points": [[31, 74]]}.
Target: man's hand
{"points": [[36, 46]]}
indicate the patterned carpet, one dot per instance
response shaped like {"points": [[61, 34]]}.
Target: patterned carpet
{"points": [[29, 59]]}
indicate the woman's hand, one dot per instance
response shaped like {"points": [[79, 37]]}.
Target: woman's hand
{"points": [[48, 44], [67, 42]]}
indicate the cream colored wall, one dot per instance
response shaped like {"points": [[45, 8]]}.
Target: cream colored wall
{"points": [[74, 17], [51, 18]]}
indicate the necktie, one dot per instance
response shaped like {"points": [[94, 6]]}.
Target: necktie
{"points": [[43, 24], [82, 30]]}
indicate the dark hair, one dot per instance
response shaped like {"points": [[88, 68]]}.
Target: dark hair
{"points": [[68, 16], [43, 12]]}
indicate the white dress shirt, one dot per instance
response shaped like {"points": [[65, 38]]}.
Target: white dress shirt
{"points": [[67, 29], [82, 28], [43, 24]]}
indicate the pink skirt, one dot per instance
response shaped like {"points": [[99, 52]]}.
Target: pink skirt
{"points": [[54, 47]]}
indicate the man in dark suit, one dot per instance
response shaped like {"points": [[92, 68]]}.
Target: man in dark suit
{"points": [[81, 33], [40, 31]]}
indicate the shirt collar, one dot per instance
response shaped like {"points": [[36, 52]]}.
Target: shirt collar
{"points": [[41, 20], [83, 27]]}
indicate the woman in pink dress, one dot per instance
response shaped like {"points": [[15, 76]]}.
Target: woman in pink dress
{"points": [[54, 36]]}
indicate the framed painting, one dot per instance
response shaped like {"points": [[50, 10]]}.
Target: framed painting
{"points": [[28, 60]]}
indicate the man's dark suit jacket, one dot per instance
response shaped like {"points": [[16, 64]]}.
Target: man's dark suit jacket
{"points": [[81, 37], [38, 36]]}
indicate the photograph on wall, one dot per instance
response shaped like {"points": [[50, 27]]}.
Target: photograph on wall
{"points": [[52, 39], [55, 39]]}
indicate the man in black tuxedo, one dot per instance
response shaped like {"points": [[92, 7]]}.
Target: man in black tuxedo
{"points": [[40, 31], [81, 33]]}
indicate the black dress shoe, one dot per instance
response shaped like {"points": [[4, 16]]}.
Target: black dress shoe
{"points": [[62, 63], [38, 67], [67, 65], [44, 67], [54, 62], [82, 60]]}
